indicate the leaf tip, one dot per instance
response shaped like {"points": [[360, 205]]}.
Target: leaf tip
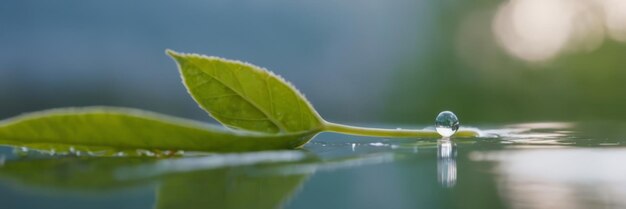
{"points": [[172, 53], [176, 56]]}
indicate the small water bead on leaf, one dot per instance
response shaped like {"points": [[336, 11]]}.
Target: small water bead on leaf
{"points": [[21, 151], [446, 124]]}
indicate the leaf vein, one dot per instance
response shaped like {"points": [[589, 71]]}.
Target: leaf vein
{"points": [[269, 93], [243, 91], [221, 96]]}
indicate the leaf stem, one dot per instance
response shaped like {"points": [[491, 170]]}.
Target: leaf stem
{"points": [[395, 133]]}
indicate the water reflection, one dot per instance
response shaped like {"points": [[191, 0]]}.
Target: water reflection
{"points": [[559, 178], [245, 180], [446, 162], [555, 134], [533, 165]]}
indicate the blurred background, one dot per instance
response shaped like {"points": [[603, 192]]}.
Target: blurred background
{"points": [[492, 62], [370, 61]]}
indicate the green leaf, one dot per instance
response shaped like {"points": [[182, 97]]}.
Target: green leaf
{"points": [[268, 111], [243, 96], [124, 129]]}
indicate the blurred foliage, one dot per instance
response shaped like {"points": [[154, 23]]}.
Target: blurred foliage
{"points": [[468, 73]]}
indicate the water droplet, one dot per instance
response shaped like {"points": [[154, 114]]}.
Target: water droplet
{"points": [[21, 151], [377, 144], [446, 124], [146, 153]]}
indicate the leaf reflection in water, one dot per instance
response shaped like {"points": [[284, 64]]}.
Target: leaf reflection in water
{"points": [[247, 180]]}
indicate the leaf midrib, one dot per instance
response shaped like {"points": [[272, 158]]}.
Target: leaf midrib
{"points": [[278, 125]]}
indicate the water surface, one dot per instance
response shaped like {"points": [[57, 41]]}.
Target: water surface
{"points": [[531, 165]]}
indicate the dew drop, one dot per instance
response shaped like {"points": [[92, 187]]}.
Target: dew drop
{"points": [[21, 151], [446, 124]]}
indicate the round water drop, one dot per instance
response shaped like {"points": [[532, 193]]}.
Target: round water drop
{"points": [[446, 123]]}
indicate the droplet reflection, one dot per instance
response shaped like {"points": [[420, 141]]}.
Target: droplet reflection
{"points": [[446, 163]]}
